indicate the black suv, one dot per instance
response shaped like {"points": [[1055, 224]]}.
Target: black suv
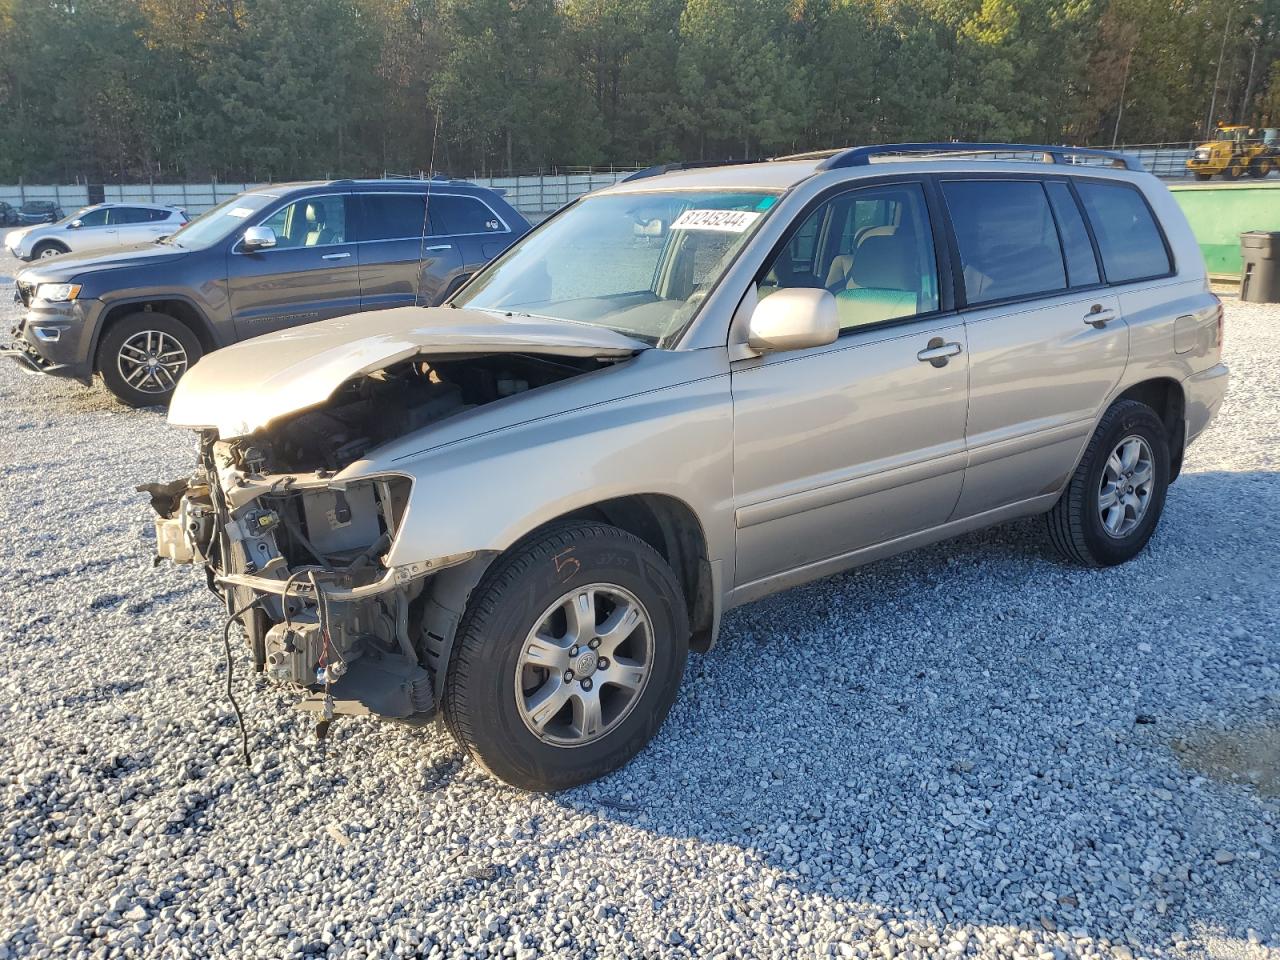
{"points": [[39, 211], [270, 258]]}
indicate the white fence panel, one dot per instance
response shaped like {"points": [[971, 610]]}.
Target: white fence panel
{"points": [[68, 196], [535, 196]]}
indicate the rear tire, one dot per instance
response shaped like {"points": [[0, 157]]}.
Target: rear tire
{"points": [[532, 725], [144, 355], [1202, 177], [1259, 169], [1109, 511], [1232, 172]]}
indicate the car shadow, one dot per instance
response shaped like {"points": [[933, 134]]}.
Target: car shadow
{"points": [[979, 733]]}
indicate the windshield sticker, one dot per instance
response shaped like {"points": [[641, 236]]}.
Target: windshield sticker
{"points": [[730, 221], [239, 212]]}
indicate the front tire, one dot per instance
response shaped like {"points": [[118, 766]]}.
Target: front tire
{"points": [[1113, 501], [568, 658], [144, 355], [1258, 169], [48, 250]]}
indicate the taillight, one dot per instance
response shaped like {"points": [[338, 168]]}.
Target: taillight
{"points": [[1218, 335]]}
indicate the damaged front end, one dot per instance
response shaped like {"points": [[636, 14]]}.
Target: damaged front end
{"points": [[300, 554], [300, 557]]}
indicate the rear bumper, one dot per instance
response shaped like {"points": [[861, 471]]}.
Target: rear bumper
{"points": [[1204, 392]]}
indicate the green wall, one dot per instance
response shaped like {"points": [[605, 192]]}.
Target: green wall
{"points": [[1220, 212]]}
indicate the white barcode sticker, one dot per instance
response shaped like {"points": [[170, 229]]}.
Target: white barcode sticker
{"points": [[239, 212], [730, 221]]}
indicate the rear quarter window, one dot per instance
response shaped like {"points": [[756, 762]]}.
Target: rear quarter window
{"points": [[461, 215], [1129, 240]]}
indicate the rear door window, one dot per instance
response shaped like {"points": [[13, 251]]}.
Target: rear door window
{"points": [[1131, 244], [1007, 239], [396, 216], [122, 215], [454, 215], [1082, 266]]}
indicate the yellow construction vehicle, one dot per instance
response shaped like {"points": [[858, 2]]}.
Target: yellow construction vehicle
{"points": [[1234, 151]]}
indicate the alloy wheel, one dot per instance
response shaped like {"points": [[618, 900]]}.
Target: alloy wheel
{"points": [[151, 361], [1125, 490], [584, 665]]}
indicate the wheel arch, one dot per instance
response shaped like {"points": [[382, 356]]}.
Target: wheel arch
{"points": [[1165, 396], [44, 242], [671, 527], [666, 523], [182, 310]]}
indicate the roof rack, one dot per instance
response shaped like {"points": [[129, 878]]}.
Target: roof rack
{"points": [[661, 168], [812, 154], [861, 156]]}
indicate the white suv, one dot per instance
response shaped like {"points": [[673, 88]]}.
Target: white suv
{"points": [[98, 227]]}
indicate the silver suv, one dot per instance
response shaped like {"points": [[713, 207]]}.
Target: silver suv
{"points": [[100, 227], [519, 511]]}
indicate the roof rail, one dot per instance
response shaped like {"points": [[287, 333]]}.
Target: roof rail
{"points": [[861, 156], [812, 154], [661, 168]]}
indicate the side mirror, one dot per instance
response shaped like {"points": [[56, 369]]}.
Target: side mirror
{"points": [[259, 238], [76, 224], [792, 319]]}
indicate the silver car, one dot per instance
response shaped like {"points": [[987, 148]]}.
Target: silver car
{"points": [[99, 227], [519, 512]]}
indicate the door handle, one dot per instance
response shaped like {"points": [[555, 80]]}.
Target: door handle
{"points": [[335, 256], [938, 352], [1097, 317], [438, 247]]}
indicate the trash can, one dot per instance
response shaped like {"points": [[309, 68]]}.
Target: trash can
{"points": [[1260, 267]]}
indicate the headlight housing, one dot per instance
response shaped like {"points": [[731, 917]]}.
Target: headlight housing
{"points": [[57, 292]]}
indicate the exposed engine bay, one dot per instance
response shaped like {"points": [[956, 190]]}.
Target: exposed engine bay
{"points": [[299, 557]]}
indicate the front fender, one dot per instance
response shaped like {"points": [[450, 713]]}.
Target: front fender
{"points": [[486, 492]]}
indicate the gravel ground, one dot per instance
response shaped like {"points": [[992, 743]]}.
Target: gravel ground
{"points": [[973, 749]]}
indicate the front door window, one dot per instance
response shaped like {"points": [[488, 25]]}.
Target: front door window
{"points": [[314, 222], [871, 248]]}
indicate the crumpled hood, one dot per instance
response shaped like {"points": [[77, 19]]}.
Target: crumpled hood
{"points": [[244, 387]]}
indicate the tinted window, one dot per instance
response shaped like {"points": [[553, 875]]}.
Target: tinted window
{"points": [[454, 215], [130, 215], [1007, 239], [1128, 238], [94, 218], [1082, 266], [394, 216], [872, 249], [314, 222]]}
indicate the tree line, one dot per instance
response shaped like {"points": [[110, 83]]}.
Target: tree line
{"points": [[122, 90]]}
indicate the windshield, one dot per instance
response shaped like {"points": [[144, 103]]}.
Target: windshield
{"points": [[638, 263], [218, 222]]}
